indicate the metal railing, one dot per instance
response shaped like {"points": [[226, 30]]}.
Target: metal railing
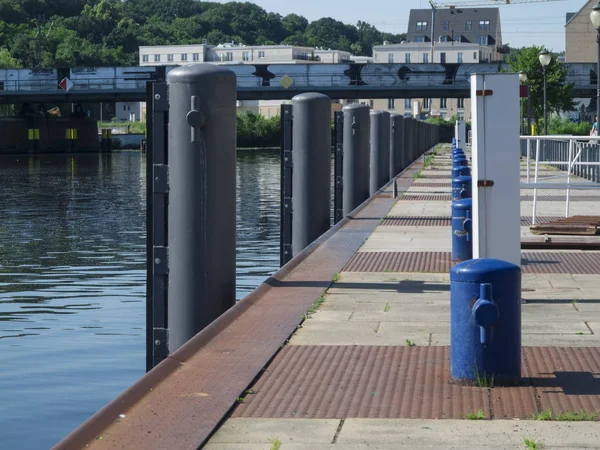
{"points": [[576, 155]]}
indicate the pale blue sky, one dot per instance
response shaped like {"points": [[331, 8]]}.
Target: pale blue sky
{"points": [[522, 25]]}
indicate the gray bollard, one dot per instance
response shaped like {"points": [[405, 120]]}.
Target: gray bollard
{"points": [[396, 123], [202, 194], [357, 132], [380, 150], [311, 179]]}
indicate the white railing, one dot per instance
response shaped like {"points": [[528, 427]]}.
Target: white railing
{"points": [[568, 154]]}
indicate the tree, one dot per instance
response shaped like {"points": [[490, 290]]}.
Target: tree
{"points": [[559, 93]]}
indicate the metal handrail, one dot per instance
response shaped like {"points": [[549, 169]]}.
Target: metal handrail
{"points": [[573, 159]]}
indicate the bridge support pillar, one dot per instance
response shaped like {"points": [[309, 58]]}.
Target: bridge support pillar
{"points": [[202, 196], [396, 163], [380, 150], [311, 177], [357, 132]]}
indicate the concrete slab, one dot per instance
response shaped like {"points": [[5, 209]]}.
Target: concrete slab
{"points": [[407, 239], [466, 434], [265, 431]]}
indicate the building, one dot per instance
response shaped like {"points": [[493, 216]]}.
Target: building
{"points": [[419, 52], [162, 55], [479, 26], [460, 36], [580, 36]]}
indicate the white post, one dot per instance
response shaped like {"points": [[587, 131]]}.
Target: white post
{"points": [[535, 180], [528, 160], [569, 167], [496, 167], [460, 130]]}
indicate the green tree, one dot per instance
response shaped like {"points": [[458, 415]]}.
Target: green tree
{"points": [[559, 93], [7, 62]]}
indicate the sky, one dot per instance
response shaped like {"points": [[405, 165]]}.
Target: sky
{"points": [[539, 24]]}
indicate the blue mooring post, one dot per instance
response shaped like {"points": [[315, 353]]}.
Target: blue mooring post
{"points": [[461, 187], [462, 236], [202, 198], [485, 321], [311, 178]]}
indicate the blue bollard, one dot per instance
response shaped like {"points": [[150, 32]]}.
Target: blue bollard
{"points": [[461, 187], [462, 242], [457, 171], [485, 321], [459, 161], [457, 150]]}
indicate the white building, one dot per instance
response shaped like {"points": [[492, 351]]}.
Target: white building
{"points": [[444, 52]]}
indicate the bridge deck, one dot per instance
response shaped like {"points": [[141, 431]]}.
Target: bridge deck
{"points": [[347, 376]]}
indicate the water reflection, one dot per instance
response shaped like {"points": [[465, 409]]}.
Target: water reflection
{"points": [[72, 281]]}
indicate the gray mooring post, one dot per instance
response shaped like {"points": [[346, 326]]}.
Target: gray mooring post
{"points": [[311, 178], [202, 194], [380, 150], [357, 131], [396, 122]]}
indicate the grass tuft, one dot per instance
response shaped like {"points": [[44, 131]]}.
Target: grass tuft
{"points": [[386, 308], [336, 276], [409, 343], [419, 174], [483, 380], [544, 415], [428, 160], [479, 415], [313, 308], [530, 444], [275, 444], [582, 416]]}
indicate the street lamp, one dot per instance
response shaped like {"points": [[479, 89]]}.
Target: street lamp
{"points": [[545, 58], [595, 18], [523, 80]]}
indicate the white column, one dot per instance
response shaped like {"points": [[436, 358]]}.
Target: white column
{"points": [[496, 171], [460, 133]]}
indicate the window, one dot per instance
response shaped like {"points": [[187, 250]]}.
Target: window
{"points": [[196, 56], [474, 56], [425, 58], [482, 39], [446, 26], [170, 57], [421, 26], [419, 38], [443, 103], [444, 38], [145, 58], [407, 104], [229, 56], [156, 58], [390, 57], [443, 57], [461, 103], [426, 103], [484, 24], [391, 103], [459, 57], [468, 25], [407, 58], [246, 56], [184, 56], [261, 54]]}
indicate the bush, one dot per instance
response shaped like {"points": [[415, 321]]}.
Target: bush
{"points": [[254, 130], [561, 125]]}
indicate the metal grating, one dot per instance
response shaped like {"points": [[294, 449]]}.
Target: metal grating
{"points": [[567, 379], [361, 381], [440, 221], [425, 175], [426, 197], [440, 262], [336, 382], [444, 184]]}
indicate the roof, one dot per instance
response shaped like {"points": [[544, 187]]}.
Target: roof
{"points": [[573, 15]]}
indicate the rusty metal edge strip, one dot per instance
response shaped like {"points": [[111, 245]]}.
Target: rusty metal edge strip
{"points": [[101, 420]]}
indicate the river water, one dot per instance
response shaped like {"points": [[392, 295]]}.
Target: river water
{"points": [[72, 281]]}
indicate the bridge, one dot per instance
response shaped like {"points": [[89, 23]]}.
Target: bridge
{"points": [[270, 81]]}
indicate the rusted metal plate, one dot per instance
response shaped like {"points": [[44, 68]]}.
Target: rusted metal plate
{"points": [[426, 197], [362, 381], [560, 242], [566, 379], [440, 262], [439, 221], [576, 225], [180, 402], [418, 184], [426, 175]]}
